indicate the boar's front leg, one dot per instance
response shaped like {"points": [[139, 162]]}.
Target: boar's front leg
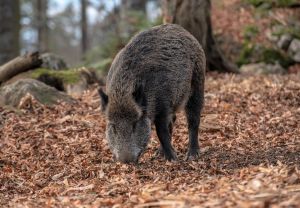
{"points": [[162, 125], [160, 151]]}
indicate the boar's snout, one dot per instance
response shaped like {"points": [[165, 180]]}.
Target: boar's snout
{"points": [[127, 157]]}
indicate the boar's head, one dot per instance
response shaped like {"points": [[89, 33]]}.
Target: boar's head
{"points": [[128, 128]]}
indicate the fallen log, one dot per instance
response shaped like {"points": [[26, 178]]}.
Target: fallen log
{"points": [[18, 65]]}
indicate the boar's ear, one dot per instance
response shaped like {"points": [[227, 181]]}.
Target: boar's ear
{"points": [[103, 98], [139, 96]]}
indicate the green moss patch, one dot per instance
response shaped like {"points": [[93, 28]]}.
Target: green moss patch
{"points": [[256, 53], [70, 76], [246, 53], [272, 56], [290, 29], [250, 32]]}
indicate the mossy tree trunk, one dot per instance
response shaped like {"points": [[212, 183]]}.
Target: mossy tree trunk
{"points": [[194, 16]]}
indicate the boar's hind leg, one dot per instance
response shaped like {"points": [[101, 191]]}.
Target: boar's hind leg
{"points": [[193, 110], [171, 123], [162, 126]]}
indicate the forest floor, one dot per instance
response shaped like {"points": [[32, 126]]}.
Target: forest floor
{"points": [[250, 153]]}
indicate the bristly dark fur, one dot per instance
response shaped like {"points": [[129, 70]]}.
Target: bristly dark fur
{"points": [[160, 71]]}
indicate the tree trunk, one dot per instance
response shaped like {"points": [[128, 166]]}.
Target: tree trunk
{"points": [[9, 29], [194, 16], [84, 27], [42, 25], [19, 65]]}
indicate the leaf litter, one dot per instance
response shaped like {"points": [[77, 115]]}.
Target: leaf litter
{"points": [[250, 153]]}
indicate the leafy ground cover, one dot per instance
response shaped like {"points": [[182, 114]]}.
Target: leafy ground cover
{"points": [[58, 157]]}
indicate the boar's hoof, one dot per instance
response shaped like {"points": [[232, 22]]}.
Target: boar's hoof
{"points": [[193, 154], [170, 156], [159, 153]]}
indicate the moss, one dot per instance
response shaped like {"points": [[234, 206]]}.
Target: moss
{"points": [[257, 53], [250, 32], [284, 3], [246, 54], [271, 56], [292, 30], [70, 76], [295, 32], [255, 3]]}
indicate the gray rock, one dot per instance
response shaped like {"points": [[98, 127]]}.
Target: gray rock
{"points": [[12, 94], [52, 61], [294, 46], [284, 41], [294, 50], [262, 68], [296, 57]]}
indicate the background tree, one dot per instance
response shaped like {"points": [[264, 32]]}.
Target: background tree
{"points": [[194, 16], [84, 27], [42, 25], [132, 12], [9, 29], [64, 34]]}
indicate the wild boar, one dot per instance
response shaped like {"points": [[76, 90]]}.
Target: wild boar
{"points": [[159, 72]]}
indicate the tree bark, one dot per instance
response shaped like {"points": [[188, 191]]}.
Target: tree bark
{"points": [[42, 25], [9, 29], [194, 16], [84, 27], [18, 65]]}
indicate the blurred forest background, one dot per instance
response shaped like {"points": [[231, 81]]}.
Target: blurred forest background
{"points": [[90, 32], [81, 31]]}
